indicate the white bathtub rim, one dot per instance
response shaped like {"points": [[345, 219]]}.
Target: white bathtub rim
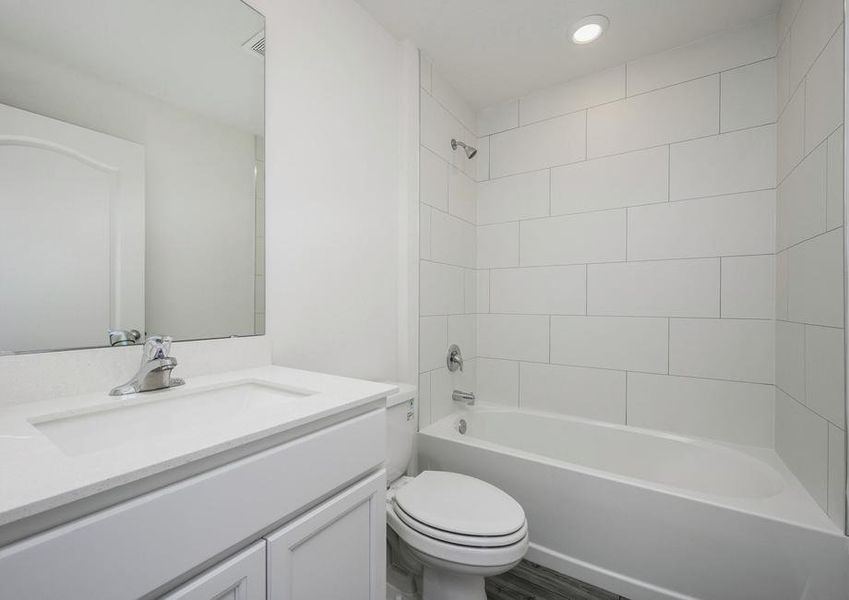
{"points": [[786, 505], [630, 587]]}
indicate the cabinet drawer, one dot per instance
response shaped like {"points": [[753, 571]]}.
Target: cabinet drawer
{"points": [[241, 577], [337, 551], [138, 546]]}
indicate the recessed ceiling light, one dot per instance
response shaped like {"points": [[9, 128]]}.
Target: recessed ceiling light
{"points": [[589, 29]]}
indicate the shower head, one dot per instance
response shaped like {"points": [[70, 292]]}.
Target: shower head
{"points": [[471, 151]]}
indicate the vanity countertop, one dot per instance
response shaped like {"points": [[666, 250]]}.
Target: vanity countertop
{"points": [[37, 475]]}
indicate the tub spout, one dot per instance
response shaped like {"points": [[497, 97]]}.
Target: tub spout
{"points": [[467, 398]]}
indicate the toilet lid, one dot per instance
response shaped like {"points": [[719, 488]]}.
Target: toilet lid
{"points": [[473, 541], [460, 504]]}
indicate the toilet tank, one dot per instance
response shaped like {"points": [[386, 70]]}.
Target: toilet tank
{"points": [[401, 426]]}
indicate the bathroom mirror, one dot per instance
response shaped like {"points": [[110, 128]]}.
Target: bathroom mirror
{"points": [[131, 171]]}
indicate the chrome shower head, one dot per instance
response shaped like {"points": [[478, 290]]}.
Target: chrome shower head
{"points": [[471, 151]]}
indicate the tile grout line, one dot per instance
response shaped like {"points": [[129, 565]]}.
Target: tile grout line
{"points": [[806, 407], [669, 172], [743, 382], [623, 152], [626, 97], [519, 378], [668, 346], [749, 320], [719, 105], [803, 78], [622, 261], [804, 363], [659, 203], [489, 291]]}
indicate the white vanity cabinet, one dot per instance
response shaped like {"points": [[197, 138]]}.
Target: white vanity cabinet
{"points": [[335, 552], [304, 520], [241, 577]]}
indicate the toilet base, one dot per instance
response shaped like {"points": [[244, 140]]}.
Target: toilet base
{"points": [[441, 584]]}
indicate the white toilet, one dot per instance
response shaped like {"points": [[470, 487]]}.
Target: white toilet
{"points": [[460, 529]]}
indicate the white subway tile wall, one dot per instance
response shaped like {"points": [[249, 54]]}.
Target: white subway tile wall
{"points": [[539, 290], [449, 282], [715, 54], [558, 141], [809, 420], [591, 393], [657, 244], [584, 238], [791, 133], [802, 199], [498, 381], [727, 410], [729, 349], [748, 287], [626, 271], [735, 225], [673, 114], [801, 439], [629, 179], [623, 343], [578, 94], [514, 198], [661, 288], [836, 474], [498, 245], [834, 183], [496, 119], [824, 93], [748, 96], [740, 161]]}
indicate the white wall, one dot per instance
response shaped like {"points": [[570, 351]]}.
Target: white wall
{"points": [[447, 244], [34, 377], [332, 190], [626, 239], [332, 140], [810, 405], [199, 181]]}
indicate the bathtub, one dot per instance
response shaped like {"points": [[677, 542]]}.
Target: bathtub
{"points": [[646, 514]]}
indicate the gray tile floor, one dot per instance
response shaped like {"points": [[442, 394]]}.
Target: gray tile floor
{"points": [[529, 581]]}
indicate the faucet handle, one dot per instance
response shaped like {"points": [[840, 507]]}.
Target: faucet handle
{"points": [[156, 346], [454, 360]]}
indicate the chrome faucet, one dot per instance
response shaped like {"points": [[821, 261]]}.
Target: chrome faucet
{"points": [[468, 398], [454, 360], [123, 337], [155, 370]]}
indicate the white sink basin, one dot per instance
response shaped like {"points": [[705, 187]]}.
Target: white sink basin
{"points": [[146, 418]]}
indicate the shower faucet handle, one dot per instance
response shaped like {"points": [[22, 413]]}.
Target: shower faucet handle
{"points": [[454, 360]]}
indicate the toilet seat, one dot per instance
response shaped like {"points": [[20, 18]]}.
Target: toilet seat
{"points": [[467, 559], [482, 528], [474, 541], [459, 504]]}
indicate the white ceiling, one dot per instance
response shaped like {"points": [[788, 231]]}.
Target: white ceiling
{"points": [[185, 52], [496, 50]]}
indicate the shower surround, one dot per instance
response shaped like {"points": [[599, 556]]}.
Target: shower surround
{"points": [[619, 257]]}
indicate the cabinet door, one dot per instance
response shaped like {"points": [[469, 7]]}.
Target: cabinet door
{"points": [[337, 551], [240, 577]]}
